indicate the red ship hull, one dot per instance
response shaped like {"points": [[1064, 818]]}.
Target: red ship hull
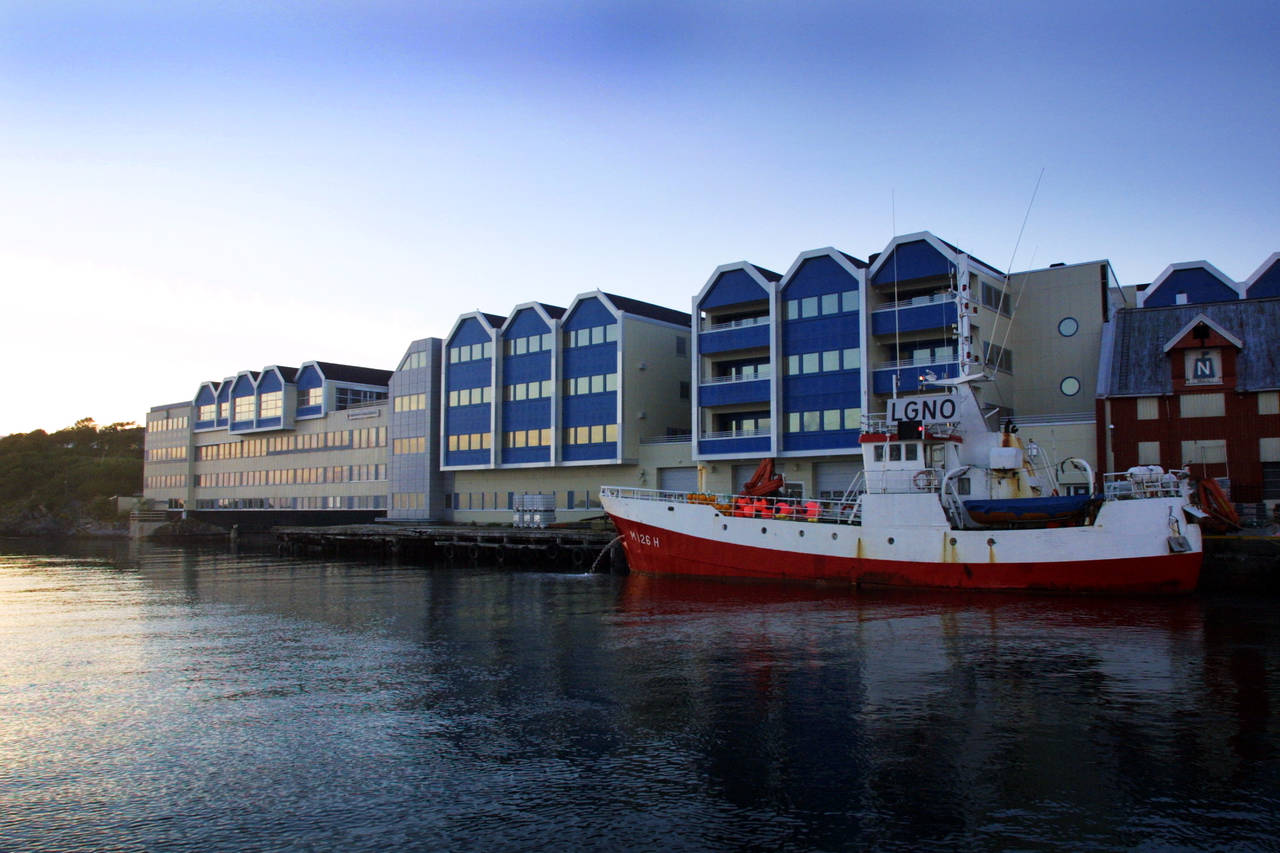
{"points": [[659, 551]]}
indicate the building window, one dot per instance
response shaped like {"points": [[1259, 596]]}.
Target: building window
{"points": [[1204, 451], [470, 352], [1148, 453], [349, 398], [1202, 405], [272, 405], [684, 390], [1148, 408], [1068, 326], [1070, 386], [995, 298], [590, 336], [998, 357], [244, 408], [309, 397], [682, 345], [410, 402], [1270, 481], [1269, 403]]}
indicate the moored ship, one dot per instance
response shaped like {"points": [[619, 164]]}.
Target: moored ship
{"points": [[945, 500]]}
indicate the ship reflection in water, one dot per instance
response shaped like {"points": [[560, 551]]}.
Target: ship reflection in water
{"points": [[200, 701]]}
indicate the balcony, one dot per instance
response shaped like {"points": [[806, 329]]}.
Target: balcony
{"points": [[909, 373], [737, 388], [734, 441], [750, 333], [923, 313], [708, 326]]}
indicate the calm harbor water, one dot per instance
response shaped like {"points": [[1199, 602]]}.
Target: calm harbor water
{"points": [[154, 698]]}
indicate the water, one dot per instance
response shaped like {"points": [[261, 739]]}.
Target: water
{"points": [[160, 699]]}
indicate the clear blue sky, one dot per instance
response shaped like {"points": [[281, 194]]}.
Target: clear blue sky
{"points": [[192, 189]]}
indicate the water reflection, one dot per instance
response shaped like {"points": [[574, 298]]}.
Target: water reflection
{"points": [[161, 697]]}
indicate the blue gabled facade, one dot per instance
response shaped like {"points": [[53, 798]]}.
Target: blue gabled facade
{"points": [[527, 383], [244, 397], [1265, 282], [735, 362], [1192, 283], [467, 422], [914, 258], [780, 358], [821, 354], [589, 388], [926, 293], [310, 387]]}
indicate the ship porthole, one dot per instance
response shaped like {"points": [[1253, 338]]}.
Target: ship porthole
{"points": [[724, 527], [991, 541], [953, 540], [835, 536], [764, 530], [802, 534], [890, 540]]}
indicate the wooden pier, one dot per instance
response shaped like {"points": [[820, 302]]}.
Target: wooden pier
{"points": [[581, 548]]}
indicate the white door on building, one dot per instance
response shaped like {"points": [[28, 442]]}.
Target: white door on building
{"points": [[678, 479], [833, 478]]}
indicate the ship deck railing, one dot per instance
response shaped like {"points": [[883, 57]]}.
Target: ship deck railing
{"points": [[844, 511], [1121, 485]]}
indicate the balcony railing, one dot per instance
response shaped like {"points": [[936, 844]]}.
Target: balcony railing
{"points": [[733, 433], [931, 299], [735, 324], [736, 377], [667, 439], [902, 365]]}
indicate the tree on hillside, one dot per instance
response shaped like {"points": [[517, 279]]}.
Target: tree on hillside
{"points": [[64, 472]]}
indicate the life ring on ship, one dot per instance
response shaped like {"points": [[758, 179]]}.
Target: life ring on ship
{"points": [[924, 480]]}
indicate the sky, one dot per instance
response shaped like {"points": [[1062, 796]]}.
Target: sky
{"points": [[192, 189]]}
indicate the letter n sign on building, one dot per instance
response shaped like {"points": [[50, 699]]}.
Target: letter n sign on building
{"points": [[935, 409], [1204, 366]]}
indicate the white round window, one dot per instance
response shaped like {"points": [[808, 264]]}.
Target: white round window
{"points": [[1070, 386], [1068, 326]]}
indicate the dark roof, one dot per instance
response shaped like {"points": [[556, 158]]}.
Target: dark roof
{"points": [[553, 311], [351, 373], [288, 373], [647, 309], [495, 320], [1138, 362], [857, 263], [769, 275], [958, 250]]}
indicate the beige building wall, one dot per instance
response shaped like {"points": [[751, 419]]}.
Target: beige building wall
{"points": [[343, 454], [481, 497], [655, 369], [1045, 356]]}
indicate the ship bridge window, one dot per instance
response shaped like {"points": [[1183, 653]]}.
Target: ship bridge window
{"points": [[878, 454], [895, 453], [911, 452]]}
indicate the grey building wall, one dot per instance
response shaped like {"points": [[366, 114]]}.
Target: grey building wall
{"points": [[417, 486]]}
